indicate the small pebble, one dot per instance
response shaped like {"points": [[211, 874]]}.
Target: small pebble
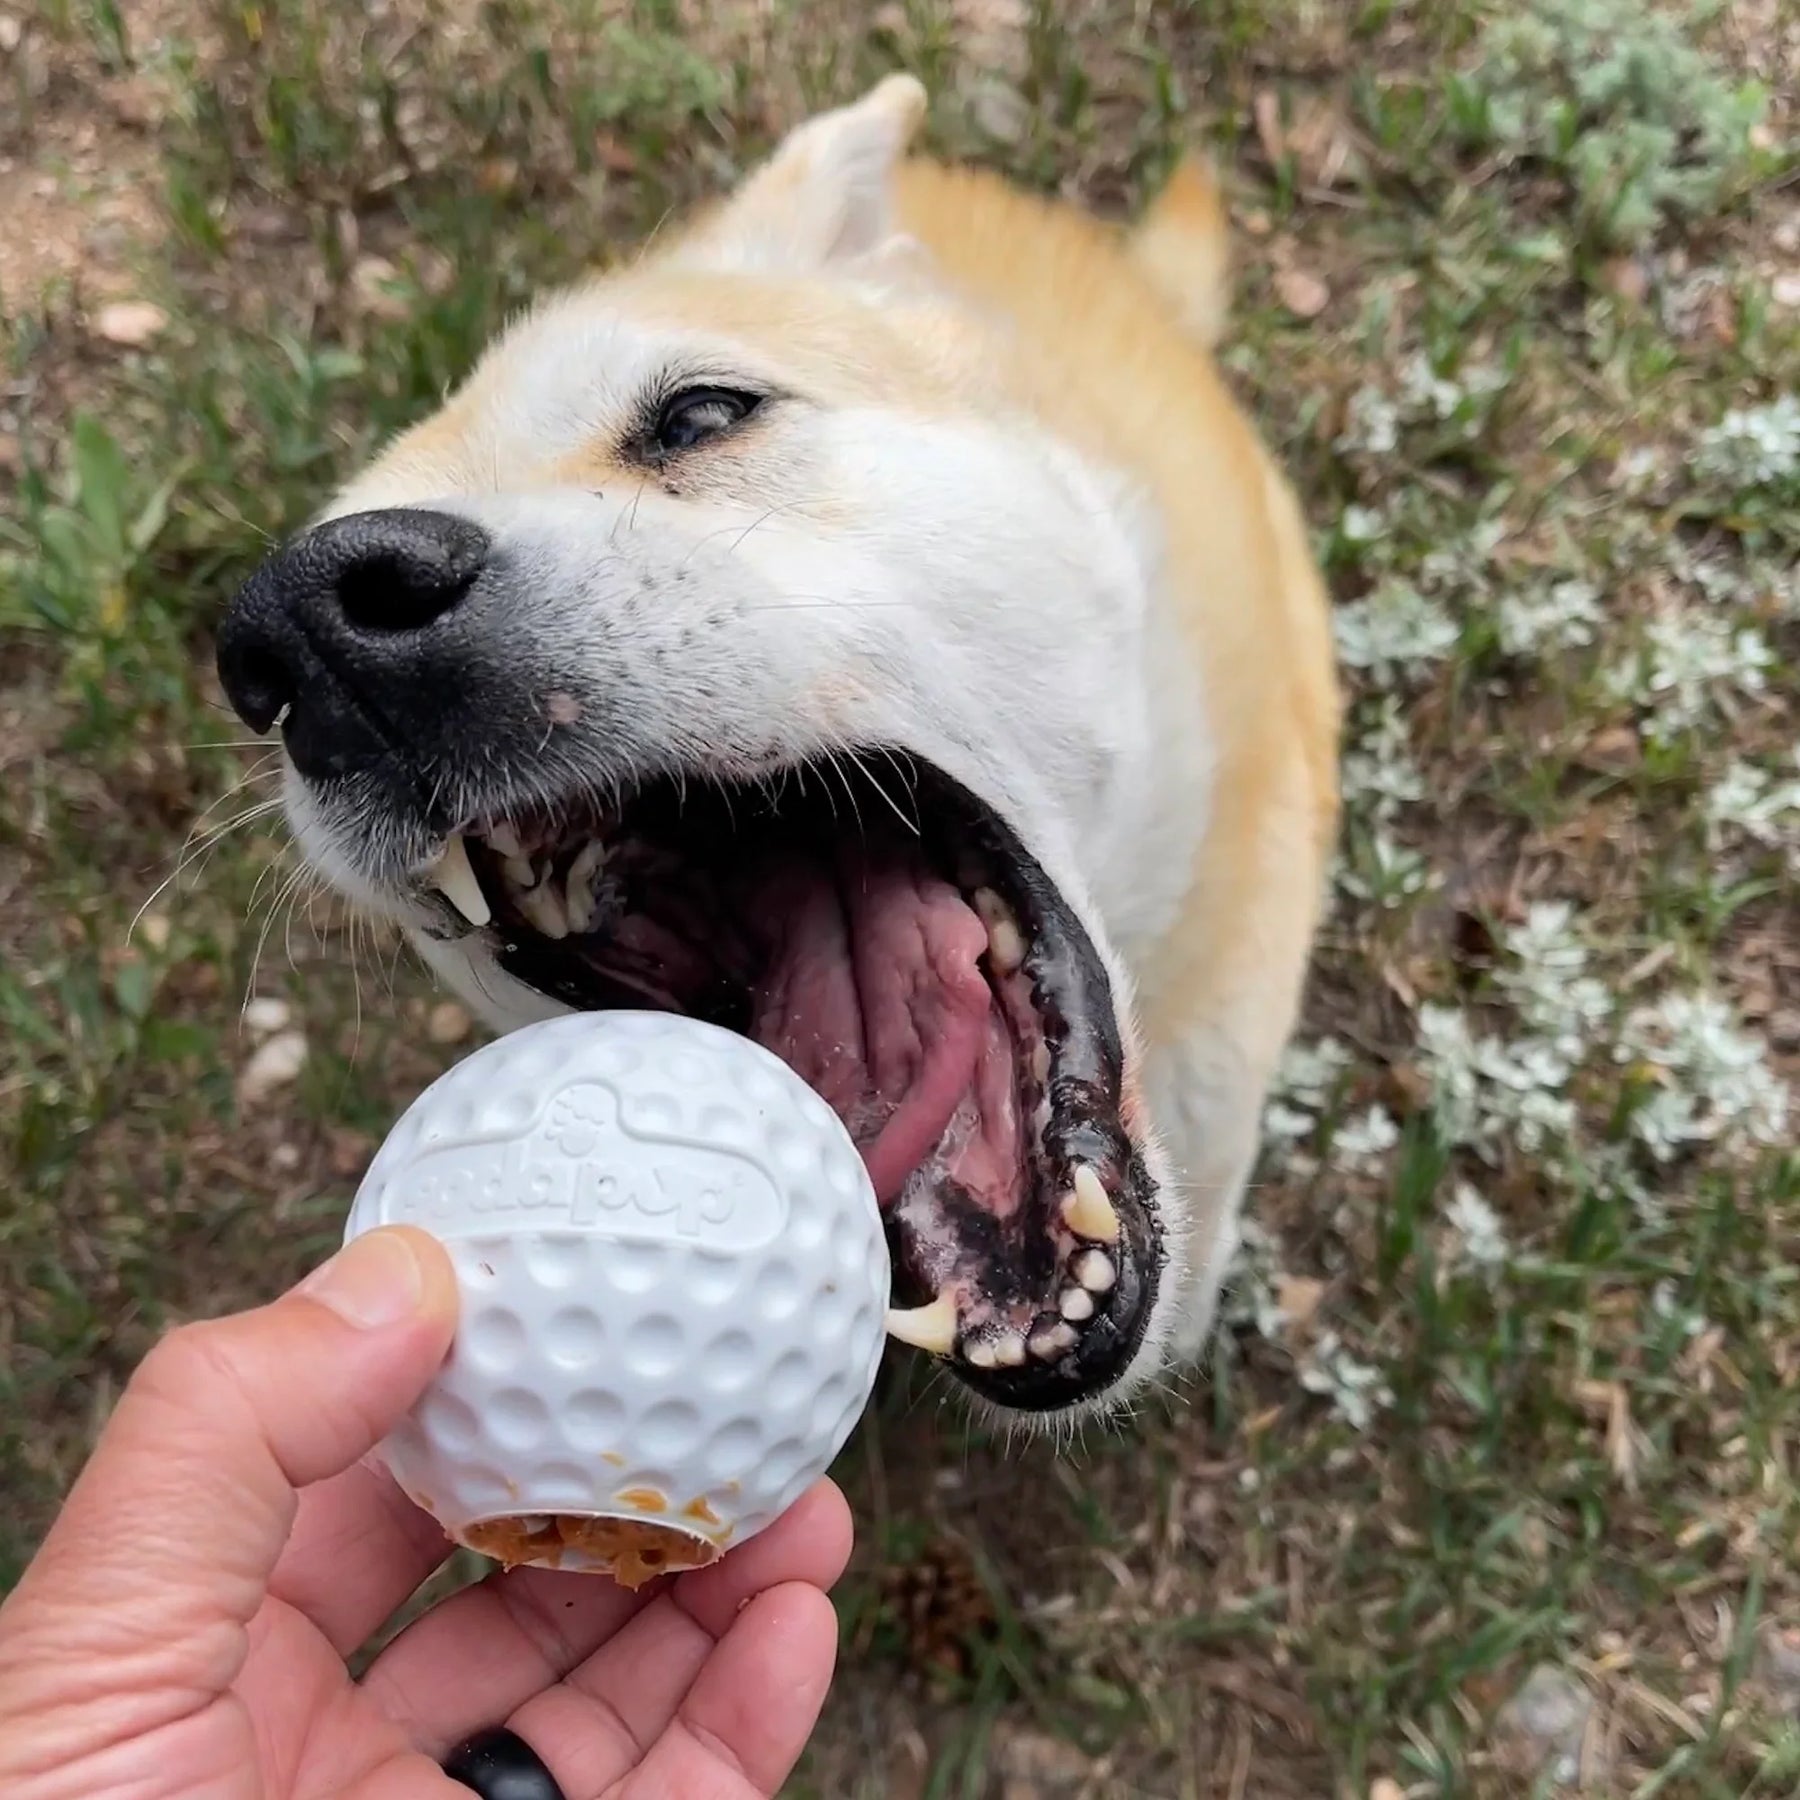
{"points": [[1301, 292], [275, 1065], [266, 1015], [1542, 1725], [448, 1023], [131, 324]]}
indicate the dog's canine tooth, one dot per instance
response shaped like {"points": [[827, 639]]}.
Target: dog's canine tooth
{"points": [[519, 872], [453, 877], [578, 886], [1006, 948], [544, 909], [1006, 943], [1076, 1305], [505, 839], [1087, 1211], [931, 1327], [586, 865]]}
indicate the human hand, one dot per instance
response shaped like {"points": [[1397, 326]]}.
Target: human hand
{"points": [[183, 1628]]}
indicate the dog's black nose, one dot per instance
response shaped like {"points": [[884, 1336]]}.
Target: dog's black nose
{"points": [[341, 615]]}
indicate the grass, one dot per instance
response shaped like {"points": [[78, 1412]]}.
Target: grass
{"points": [[1510, 1378]]}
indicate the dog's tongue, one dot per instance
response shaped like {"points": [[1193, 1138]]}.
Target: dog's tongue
{"points": [[877, 1001]]}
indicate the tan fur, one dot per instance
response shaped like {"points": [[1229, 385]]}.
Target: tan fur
{"points": [[1109, 356], [1183, 245]]}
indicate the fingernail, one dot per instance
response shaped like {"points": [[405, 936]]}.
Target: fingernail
{"points": [[375, 1280]]}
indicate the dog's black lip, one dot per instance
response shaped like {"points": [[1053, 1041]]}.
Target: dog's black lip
{"points": [[1074, 998], [1086, 1125], [1110, 1340]]}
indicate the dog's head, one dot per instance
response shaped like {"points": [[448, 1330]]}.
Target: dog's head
{"points": [[736, 641]]}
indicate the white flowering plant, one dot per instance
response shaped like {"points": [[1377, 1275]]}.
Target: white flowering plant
{"points": [[1383, 873], [1429, 406], [1709, 1082], [1394, 635], [1752, 805], [1548, 619], [1746, 470], [1754, 447], [1380, 775], [1688, 665]]}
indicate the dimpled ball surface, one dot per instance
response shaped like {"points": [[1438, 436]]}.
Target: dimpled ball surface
{"points": [[673, 1277]]}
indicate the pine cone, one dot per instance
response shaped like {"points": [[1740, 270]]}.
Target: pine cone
{"points": [[941, 1608]]}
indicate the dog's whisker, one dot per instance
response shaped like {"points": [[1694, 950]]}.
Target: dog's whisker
{"points": [[198, 851], [299, 895], [831, 763], [294, 877], [868, 775]]}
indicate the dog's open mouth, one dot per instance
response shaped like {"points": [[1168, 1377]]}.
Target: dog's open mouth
{"points": [[889, 938]]}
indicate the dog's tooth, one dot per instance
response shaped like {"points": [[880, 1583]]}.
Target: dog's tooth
{"points": [[931, 1327], [1006, 943], [543, 908], [578, 885], [1050, 1341], [1087, 1211], [980, 1353], [1076, 1305], [455, 880], [1009, 1349], [519, 872], [505, 839], [580, 905], [1006, 948], [587, 863], [1094, 1270]]}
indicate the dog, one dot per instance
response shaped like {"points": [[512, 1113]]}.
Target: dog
{"points": [[868, 623]]}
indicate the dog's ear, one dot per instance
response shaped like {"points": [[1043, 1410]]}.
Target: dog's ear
{"points": [[824, 197]]}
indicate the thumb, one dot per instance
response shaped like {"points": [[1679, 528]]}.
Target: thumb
{"points": [[162, 1552]]}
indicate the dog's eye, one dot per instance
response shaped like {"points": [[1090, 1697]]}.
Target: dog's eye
{"points": [[695, 414]]}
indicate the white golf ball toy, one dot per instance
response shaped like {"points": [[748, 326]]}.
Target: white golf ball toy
{"points": [[673, 1283]]}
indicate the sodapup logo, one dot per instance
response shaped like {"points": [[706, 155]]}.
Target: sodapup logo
{"points": [[576, 1166]]}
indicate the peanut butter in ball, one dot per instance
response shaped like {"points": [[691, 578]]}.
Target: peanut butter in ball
{"points": [[632, 1551]]}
